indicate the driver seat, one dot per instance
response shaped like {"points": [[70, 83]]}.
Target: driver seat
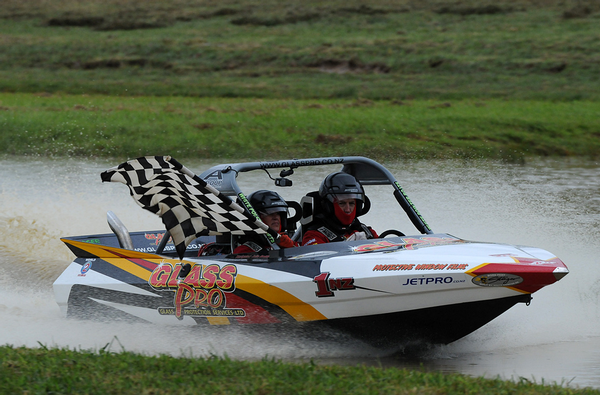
{"points": [[310, 206]]}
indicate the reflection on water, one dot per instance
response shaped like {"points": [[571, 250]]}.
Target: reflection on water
{"points": [[553, 204]]}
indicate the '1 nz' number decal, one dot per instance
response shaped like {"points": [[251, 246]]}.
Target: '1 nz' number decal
{"points": [[326, 285]]}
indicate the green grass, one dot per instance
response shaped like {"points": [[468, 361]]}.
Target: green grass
{"points": [[413, 79], [108, 126], [63, 371], [440, 50]]}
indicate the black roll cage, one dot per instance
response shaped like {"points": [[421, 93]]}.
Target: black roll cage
{"points": [[367, 171]]}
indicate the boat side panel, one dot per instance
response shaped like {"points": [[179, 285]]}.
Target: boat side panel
{"points": [[235, 291]]}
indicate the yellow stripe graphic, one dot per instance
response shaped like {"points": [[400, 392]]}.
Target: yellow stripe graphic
{"points": [[298, 309], [113, 256], [292, 305]]}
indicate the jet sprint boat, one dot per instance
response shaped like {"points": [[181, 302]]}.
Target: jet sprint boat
{"points": [[398, 288]]}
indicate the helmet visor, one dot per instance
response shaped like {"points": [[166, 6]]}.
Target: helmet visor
{"points": [[345, 196], [272, 210]]}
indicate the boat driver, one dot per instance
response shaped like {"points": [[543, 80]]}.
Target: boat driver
{"points": [[342, 201], [272, 210]]}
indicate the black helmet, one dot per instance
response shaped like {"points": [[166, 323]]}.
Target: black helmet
{"points": [[341, 186], [268, 202]]}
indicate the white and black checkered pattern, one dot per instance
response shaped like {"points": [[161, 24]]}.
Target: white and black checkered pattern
{"points": [[188, 206]]}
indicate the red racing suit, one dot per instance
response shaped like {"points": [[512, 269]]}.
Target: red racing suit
{"points": [[320, 233], [254, 246]]}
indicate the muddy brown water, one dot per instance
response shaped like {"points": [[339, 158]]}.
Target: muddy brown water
{"points": [[552, 204]]}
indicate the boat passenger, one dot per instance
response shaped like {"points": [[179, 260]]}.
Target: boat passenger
{"points": [[272, 210], [342, 201]]}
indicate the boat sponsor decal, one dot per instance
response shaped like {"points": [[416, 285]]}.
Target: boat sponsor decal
{"points": [[497, 280], [326, 285], [389, 268], [215, 178], [156, 238], [432, 280], [201, 294], [152, 249], [410, 203], [411, 266], [407, 243], [86, 267], [525, 274], [431, 266], [458, 266], [301, 162]]}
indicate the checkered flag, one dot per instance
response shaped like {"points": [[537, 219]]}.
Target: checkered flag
{"points": [[188, 206]]}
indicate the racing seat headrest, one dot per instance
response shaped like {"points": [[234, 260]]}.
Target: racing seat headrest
{"points": [[311, 206], [291, 221]]}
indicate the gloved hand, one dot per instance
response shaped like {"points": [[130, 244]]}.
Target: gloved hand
{"points": [[357, 236], [285, 241]]}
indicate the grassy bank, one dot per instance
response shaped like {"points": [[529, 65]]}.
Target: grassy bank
{"points": [[426, 49], [61, 371], [108, 126], [411, 79]]}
